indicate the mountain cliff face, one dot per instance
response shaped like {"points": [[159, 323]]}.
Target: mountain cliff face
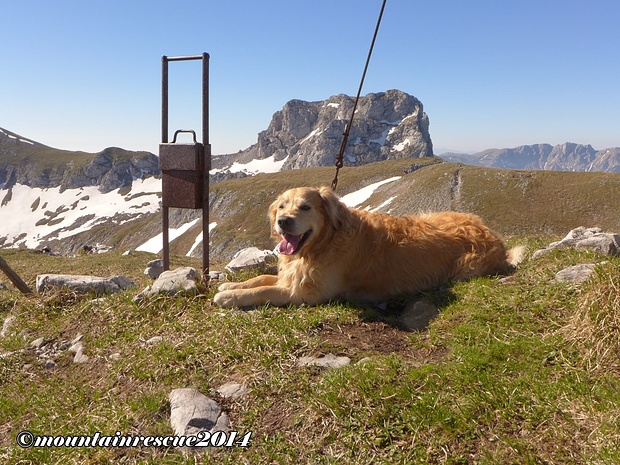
{"points": [[29, 163], [564, 157], [387, 125]]}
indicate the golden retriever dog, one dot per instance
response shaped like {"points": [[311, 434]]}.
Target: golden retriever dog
{"points": [[329, 252]]}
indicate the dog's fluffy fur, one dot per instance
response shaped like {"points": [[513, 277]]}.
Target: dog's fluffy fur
{"points": [[331, 252]]}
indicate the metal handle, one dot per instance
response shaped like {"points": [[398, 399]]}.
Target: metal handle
{"points": [[186, 131]]}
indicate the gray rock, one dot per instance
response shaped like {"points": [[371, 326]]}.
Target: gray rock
{"points": [[6, 325], [48, 351], [326, 361], [172, 282], [586, 238], [605, 244], [37, 343], [64, 345], [217, 276], [80, 357], [580, 233], [575, 274], [154, 268], [232, 390], [100, 248], [83, 284], [76, 347], [154, 341], [250, 258], [192, 412]]}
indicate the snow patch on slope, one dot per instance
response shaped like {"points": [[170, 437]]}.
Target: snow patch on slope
{"points": [[29, 215], [198, 239], [360, 196], [259, 165], [156, 243]]}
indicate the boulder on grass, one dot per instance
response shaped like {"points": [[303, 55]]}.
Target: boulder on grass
{"points": [[154, 268], [251, 258], [192, 412], [592, 239], [83, 284], [172, 282], [575, 274]]}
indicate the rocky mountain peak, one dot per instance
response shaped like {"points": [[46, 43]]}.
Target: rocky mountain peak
{"points": [[387, 125]]}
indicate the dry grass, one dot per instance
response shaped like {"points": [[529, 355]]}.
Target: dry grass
{"points": [[595, 326]]}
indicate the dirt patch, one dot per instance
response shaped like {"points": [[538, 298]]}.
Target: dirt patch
{"points": [[365, 339], [277, 418], [356, 341]]}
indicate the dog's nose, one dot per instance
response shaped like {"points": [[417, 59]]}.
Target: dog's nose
{"points": [[285, 221]]}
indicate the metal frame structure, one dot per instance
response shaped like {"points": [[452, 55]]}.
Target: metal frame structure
{"points": [[185, 167]]}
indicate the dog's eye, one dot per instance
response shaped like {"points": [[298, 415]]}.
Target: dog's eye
{"points": [[281, 206], [304, 207]]}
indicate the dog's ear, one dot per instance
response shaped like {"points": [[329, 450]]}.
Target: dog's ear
{"points": [[334, 209], [273, 210]]}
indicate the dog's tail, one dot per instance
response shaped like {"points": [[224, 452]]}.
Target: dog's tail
{"points": [[516, 255]]}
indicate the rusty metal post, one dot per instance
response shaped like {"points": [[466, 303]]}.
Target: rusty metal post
{"points": [[185, 168], [207, 164], [14, 277], [164, 140], [164, 99]]}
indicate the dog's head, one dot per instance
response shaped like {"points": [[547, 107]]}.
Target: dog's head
{"points": [[300, 216]]}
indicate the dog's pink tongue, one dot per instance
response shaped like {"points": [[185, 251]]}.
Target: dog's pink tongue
{"points": [[289, 244]]}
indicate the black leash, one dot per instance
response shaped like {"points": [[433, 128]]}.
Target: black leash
{"points": [[347, 130]]}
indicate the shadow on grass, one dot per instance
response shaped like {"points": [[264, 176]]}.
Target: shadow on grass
{"points": [[411, 313]]}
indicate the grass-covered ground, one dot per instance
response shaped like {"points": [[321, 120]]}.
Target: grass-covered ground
{"points": [[520, 371]]}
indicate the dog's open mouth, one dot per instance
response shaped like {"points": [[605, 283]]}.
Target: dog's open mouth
{"points": [[290, 244]]}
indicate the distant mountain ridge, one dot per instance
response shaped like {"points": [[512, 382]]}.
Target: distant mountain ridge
{"points": [[563, 157], [387, 125], [29, 163]]}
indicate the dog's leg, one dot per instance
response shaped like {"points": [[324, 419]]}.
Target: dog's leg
{"points": [[262, 280], [274, 295]]}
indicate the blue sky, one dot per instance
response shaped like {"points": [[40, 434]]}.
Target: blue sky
{"points": [[85, 75]]}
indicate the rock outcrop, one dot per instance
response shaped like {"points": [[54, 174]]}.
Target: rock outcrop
{"points": [[576, 274], [592, 239], [252, 258], [83, 284], [172, 282], [191, 412], [387, 125]]}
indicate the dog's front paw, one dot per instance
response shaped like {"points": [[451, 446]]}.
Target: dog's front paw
{"points": [[225, 299], [226, 286]]}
